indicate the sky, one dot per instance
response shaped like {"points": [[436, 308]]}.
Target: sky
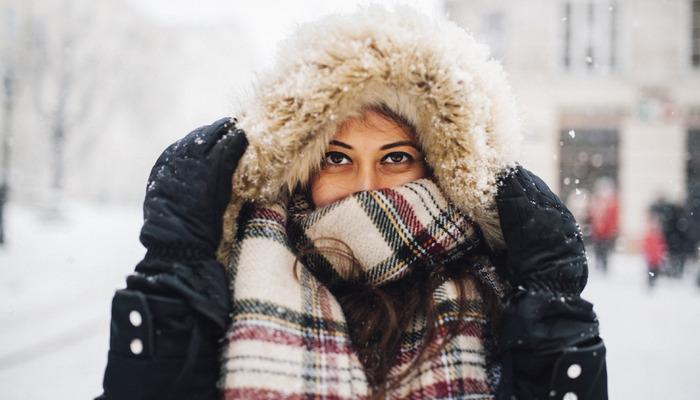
{"points": [[267, 21]]}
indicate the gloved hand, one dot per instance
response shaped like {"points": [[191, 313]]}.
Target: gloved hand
{"points": [[166, 325], [545, 321], [186, 196], [545, 250]]}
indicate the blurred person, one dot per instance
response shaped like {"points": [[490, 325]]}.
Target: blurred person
{"points": [[693, 216], [674, 223], [603, 218], [654, 248], [678, 239], [361, 231], [693, 232]]}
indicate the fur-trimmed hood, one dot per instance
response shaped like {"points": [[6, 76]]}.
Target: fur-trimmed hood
{"points": [[429, 70]]}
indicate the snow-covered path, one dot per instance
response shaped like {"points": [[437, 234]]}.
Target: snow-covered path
{"points": [[651, 335], [57, 279]]}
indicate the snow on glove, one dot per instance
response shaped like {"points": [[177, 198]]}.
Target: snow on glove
{"points": [[187, 193], [545, 248]]}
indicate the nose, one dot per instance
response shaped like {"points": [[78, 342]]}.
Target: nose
{"points": [[367, 179]]}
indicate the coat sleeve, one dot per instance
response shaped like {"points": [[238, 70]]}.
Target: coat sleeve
{"points": [[551, 349], [159, 348]]}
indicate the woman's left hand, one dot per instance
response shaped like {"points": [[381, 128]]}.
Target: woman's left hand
{"points": [[545, 248], [547, 329]]}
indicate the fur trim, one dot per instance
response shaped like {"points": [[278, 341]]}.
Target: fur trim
{"points": [[430, 71]]}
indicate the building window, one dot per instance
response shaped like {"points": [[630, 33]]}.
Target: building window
{"points": [[695, 34], [589, 35], [587, 155]]}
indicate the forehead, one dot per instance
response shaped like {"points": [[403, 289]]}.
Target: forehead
{"points": [[371, 127]]}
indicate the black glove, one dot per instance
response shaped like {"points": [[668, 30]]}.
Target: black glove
{"points": [[544, 244], [186, 196], [545, 320], [166, 325]]}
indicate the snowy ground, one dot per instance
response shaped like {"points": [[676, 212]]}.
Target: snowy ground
{"points": [[57, 278]]}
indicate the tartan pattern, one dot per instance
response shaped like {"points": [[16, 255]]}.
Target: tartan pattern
{"points": [[394, 229], [288, 337]]}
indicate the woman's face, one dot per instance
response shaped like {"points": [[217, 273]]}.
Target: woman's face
{"points": [[368, 154]]}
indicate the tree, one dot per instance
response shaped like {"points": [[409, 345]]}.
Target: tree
{"points": [[59, 62], [8, 75], [66, 75]]}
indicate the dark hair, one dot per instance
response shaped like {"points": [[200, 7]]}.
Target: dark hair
{"points": [[376, 326], [399, 119]]}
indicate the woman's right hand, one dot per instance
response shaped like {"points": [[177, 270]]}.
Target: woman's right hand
{"points": [[188, 190], [187, 193], [166, 324]]}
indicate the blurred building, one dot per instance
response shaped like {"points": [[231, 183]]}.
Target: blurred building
{"points": [[607, 88]]}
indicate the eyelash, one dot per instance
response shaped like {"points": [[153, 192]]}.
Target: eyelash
{"points": [[406, 158], [332, 153]]}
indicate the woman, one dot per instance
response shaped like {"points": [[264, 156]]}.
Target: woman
{"points": [[377, 237]]}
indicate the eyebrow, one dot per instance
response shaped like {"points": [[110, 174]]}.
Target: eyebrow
{"points": [[397, 144], [341, 144], [386, 146]]}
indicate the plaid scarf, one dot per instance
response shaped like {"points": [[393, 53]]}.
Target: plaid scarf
{"points": [[288, 337]]}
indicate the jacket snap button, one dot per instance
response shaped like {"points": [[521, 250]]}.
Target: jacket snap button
{"points": [[570, 396], [136, 346], [574, 371], [135, 318]]}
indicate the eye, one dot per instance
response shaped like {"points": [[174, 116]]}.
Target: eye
{"points": [[397, 157], [333, 158]]}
